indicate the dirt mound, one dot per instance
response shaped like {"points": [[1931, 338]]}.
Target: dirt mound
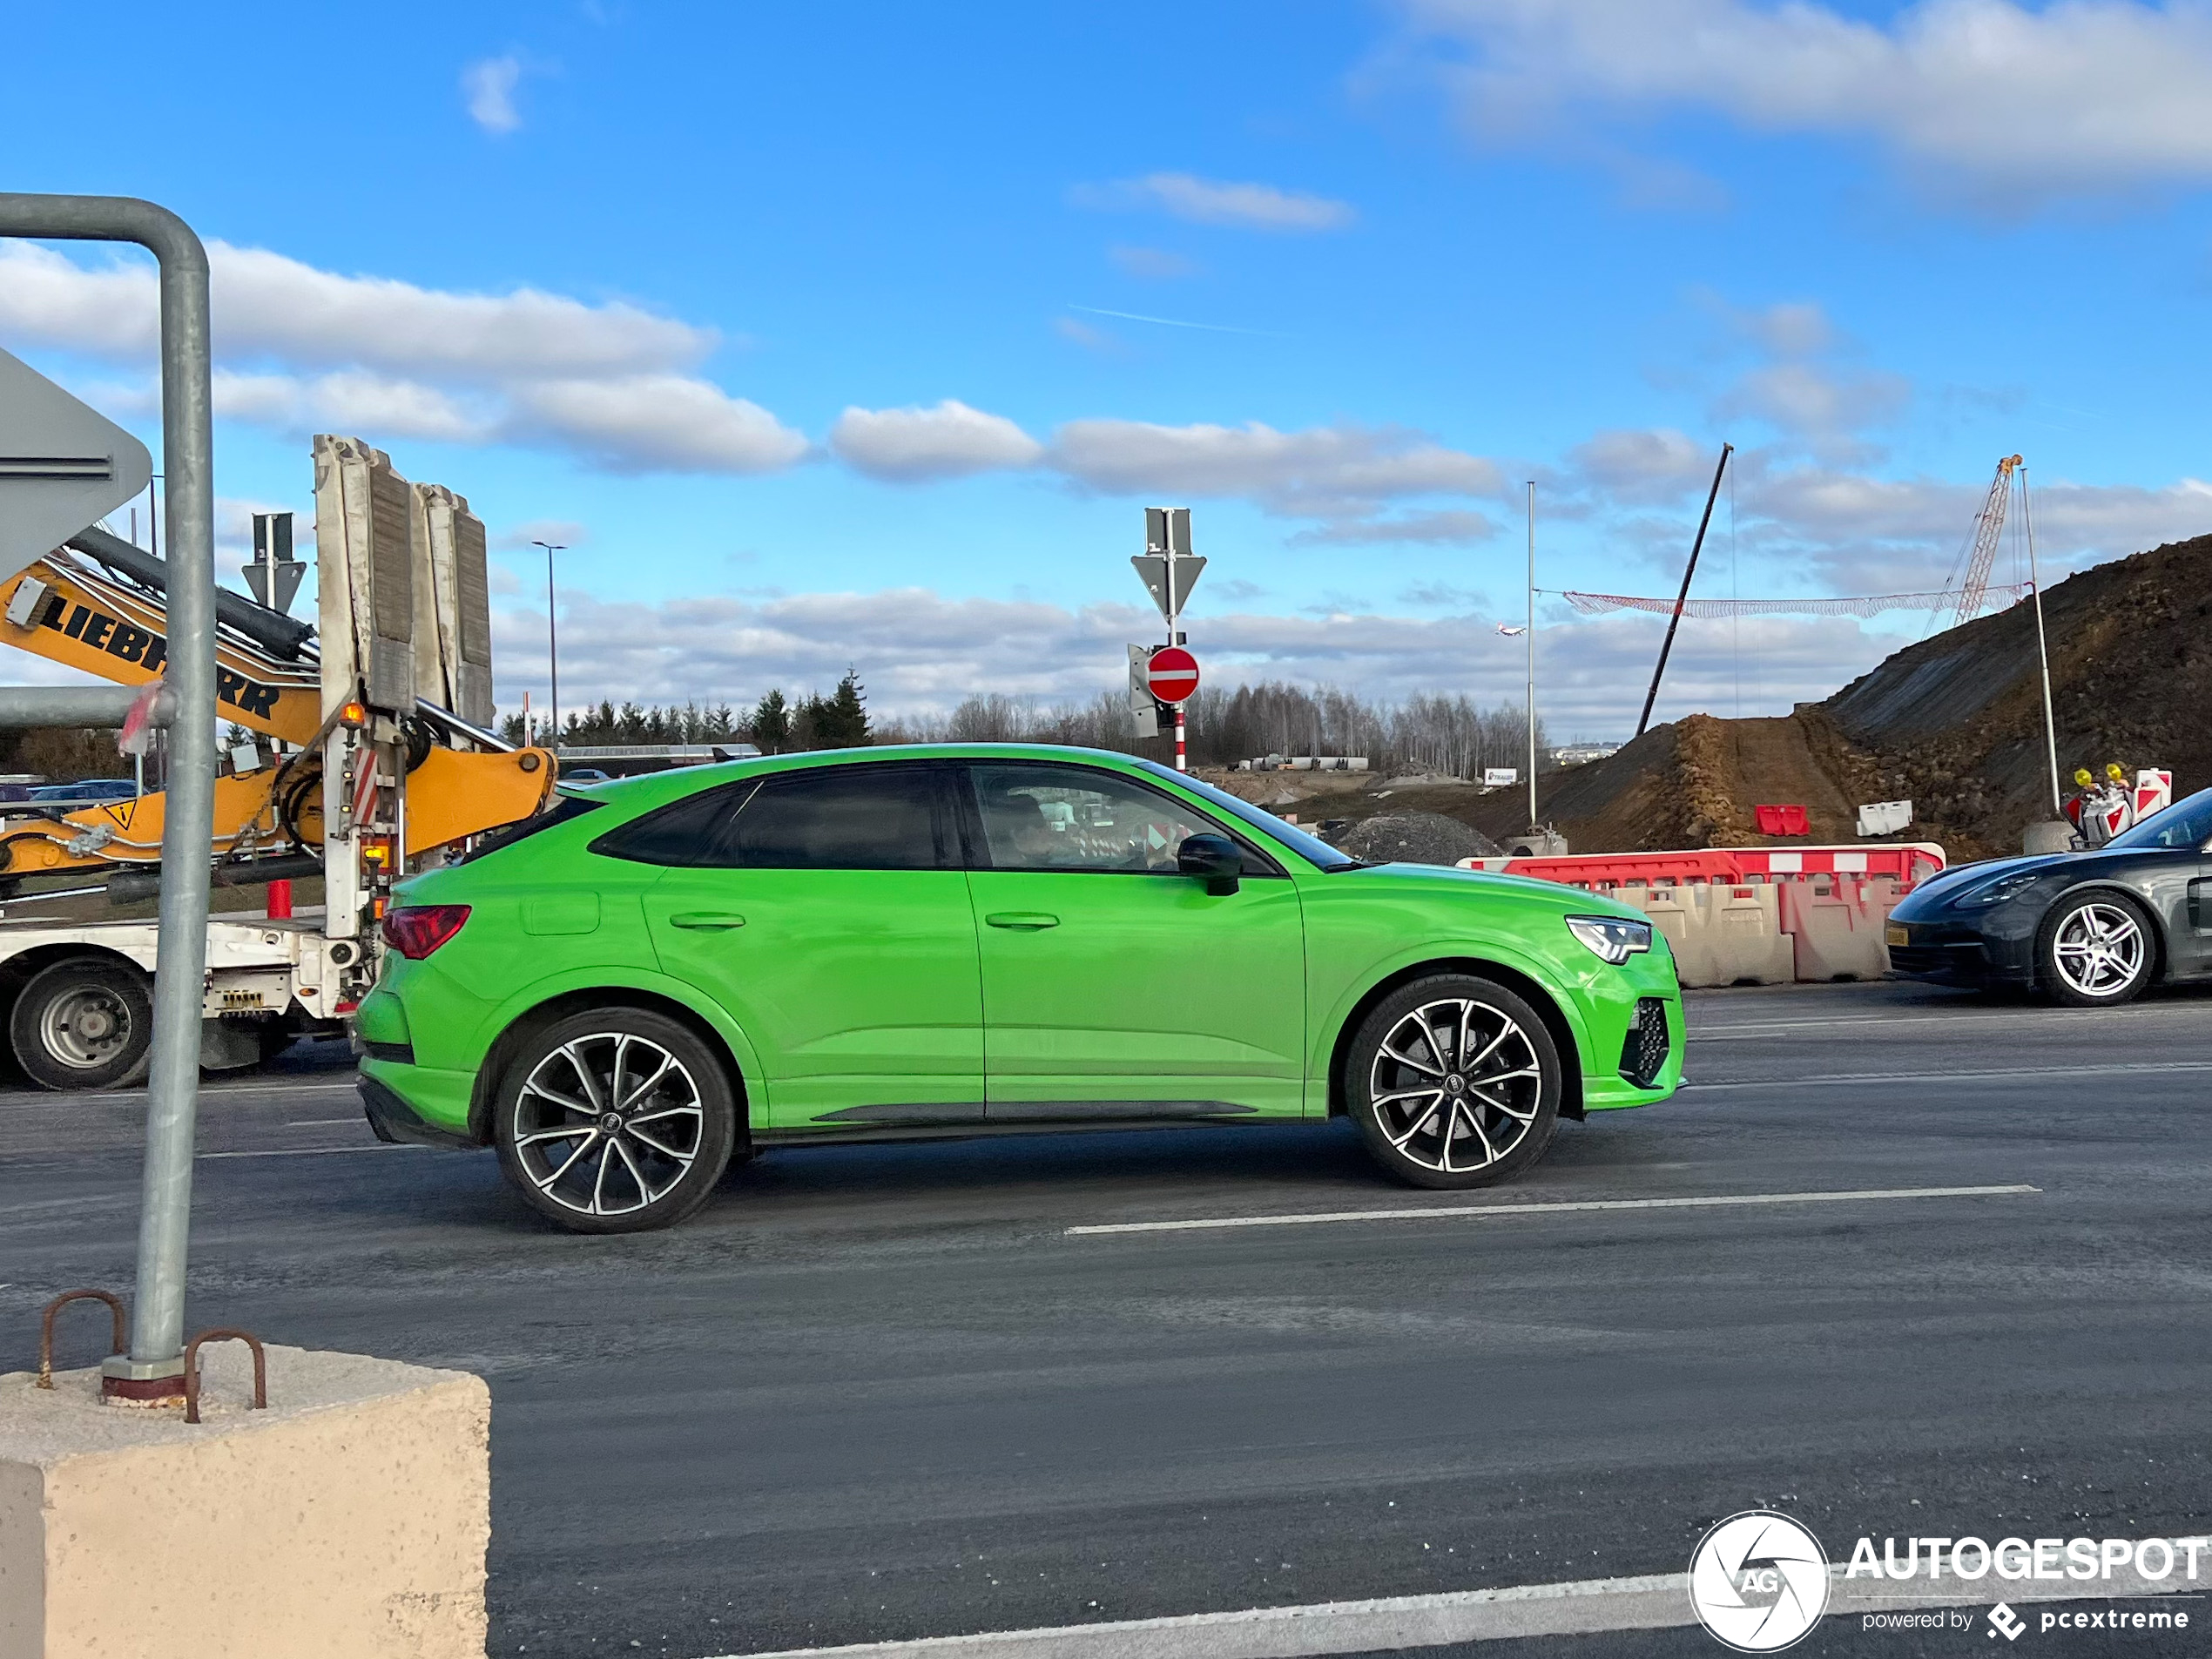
{"points": [[1954, 724], [1415, 838]]}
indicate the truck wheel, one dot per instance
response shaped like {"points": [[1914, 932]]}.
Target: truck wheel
{"points": [[615, 1122], [86, 1023]]}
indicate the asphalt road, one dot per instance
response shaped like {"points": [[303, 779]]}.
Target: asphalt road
{"points": [[883, 1391]]}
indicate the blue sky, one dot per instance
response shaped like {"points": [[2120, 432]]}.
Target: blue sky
{"points": [[800, 323]]}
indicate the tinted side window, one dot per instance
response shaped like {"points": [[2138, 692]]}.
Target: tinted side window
{"points": [[1044, 817], [840, 818], [680, 832]]}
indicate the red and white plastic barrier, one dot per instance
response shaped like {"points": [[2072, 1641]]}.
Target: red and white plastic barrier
{"points": [[1761, 915], [1906, 863]]}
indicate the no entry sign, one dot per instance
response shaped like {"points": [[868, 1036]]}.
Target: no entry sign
{"points": [[1172, 674]]}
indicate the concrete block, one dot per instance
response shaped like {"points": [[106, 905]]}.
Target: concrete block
{"points": [[350, 1518]]}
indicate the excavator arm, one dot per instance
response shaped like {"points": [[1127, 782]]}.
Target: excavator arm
{"points": [[65, 611]]}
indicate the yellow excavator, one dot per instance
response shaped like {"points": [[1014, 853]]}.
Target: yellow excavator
{"points": [[363, 763], [103, 611]]}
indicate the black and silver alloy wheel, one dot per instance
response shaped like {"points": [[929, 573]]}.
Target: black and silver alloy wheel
{"points": [[615, 1123], [2096, 950], [1455, 1082]]}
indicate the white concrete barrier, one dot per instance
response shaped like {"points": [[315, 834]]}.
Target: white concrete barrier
{"points": [[348, 1520]]}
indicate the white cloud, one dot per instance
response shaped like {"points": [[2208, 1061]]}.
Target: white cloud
{"points": [[1209, 201], [1155, 263], [2077, 95], [655, 423], [914, 445], [920, 652], [487, 89], [1321, 471], [302, 350], [1642, 467]]}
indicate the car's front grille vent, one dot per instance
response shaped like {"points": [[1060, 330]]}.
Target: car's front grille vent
{"points": [[1644, 1052]]}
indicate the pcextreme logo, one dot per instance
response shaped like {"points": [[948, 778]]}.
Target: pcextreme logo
{"points": [[1758, 1581]]}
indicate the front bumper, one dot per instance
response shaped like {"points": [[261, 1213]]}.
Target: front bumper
{"points": [[1945, 953]]}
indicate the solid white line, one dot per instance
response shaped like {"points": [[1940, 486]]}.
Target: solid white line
{"points": [[1747, 1031], [43, 1096], [312, 1151], [321, 1123], [1654, 1601], [1474, 1211], [1842, 1078]]}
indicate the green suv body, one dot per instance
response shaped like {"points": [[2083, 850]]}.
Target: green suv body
{"points": [[661, 974]]}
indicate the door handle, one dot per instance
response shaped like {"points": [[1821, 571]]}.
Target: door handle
{"points": [[706, 920], [1024, 922]]}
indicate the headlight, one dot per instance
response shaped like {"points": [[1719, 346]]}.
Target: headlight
{"points": [[1996, 891], [1614, 938]]}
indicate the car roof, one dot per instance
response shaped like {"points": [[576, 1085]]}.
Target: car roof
{"points": [[653, 784]]}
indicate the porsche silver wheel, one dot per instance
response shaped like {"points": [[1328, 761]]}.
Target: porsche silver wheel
{"points": [[2099, 950], [1455, 1085], [607, 1124]]}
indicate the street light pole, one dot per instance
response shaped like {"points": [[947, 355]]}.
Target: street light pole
{"points": [[552, 641]]}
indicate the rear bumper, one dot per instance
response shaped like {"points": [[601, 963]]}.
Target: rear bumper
{"points": [[394, 1121]]}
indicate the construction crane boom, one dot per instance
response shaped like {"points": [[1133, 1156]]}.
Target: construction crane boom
{"points": [[1989, 526]]}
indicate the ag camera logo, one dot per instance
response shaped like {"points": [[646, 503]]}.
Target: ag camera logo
{"points": [[1758, 1581]]}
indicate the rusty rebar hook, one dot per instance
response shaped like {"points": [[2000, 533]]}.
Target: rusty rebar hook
{"points": [[191, 1370], [46, 1327]]}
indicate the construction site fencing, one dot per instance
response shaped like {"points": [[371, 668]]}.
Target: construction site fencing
{"points": [[1755, 915]]}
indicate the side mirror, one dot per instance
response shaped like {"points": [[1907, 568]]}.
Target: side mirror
{"points": [[1214, 860]]}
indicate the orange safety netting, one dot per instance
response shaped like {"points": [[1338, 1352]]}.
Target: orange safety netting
{"points": [[1873, 604]]}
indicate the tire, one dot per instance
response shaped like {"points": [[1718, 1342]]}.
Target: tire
{"points": [[598, 1155], [2095, 950], [83, 1023], [1454, 1136]]}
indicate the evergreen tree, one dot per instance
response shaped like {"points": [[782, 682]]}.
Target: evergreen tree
{"points": [[772, 723], [841, 719]]}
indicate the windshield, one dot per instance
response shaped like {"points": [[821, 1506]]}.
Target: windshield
{"points": [[1311, 848], [2184, 826]]}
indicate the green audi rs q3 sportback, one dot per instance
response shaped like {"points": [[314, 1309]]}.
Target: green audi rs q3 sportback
{"points": [[900, 943]]}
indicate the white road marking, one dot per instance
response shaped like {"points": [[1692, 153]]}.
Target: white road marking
{"points": [[2121, 1068], [1479, 1210], [49, 1097], [311, 1152], [323, 1122], [1653, 1601], [1757, 1029]]}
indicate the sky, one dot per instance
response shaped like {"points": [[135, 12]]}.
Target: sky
{"points": [[860, 335]]}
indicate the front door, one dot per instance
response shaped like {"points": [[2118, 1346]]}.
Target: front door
{"points": [[1114, 987], [829, 914]]}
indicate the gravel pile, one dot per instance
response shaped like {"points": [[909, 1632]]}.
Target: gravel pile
{"points": [[1416, 838]]}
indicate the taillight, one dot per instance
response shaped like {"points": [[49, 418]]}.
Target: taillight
{"points": [[416, 930]]}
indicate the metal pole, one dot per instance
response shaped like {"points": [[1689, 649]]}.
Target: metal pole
{"points": [[1673, 622], [188, 474], [552, 641], [2043, 653], [1175, 637], [1531, 632]]}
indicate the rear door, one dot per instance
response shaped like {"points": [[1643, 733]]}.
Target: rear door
{"points": [[1113, 985], [826, 909]]}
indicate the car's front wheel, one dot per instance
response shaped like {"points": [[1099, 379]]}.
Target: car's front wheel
{"points": [[1454, 1082], [2095, 950], [613, 1122]]}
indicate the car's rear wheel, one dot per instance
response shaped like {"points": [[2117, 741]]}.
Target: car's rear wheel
{"points": [[613, 1122], [2096, 949], [85, 1022], [1454, 1082]]}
